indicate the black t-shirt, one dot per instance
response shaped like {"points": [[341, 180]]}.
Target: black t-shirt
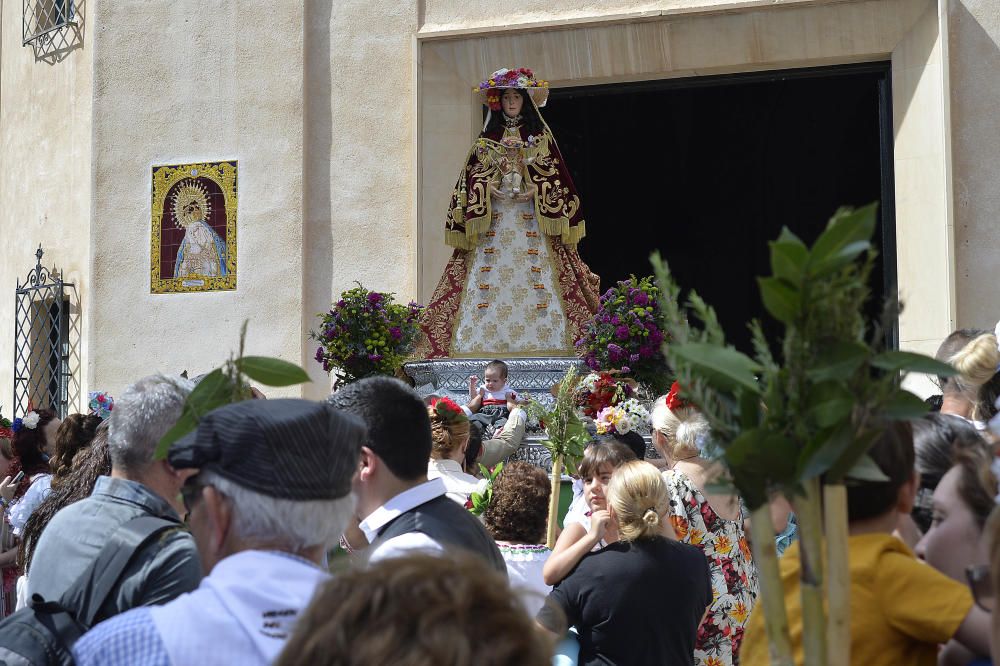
{"points": [[635, 603]]}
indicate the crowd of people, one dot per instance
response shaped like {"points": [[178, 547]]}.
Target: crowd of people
{"points": [[222, 551]]}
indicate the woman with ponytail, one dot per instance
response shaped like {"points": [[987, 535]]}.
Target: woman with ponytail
{"points": [[639, 600], [449, 441], [711, 521], [972, 393]]}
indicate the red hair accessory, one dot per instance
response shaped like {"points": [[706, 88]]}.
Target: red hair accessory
{"points": [[448, 410], [674, 400]]}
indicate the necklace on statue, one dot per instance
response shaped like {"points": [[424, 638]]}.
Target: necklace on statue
{"points": [[511, 122]]}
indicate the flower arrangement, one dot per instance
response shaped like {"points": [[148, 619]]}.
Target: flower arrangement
{"points": [[599, 390], [623, 418], [101, 404], [521, 77], [30, 421], [627, 332], [366, 333]]}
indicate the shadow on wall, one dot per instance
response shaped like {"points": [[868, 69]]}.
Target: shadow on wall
{"points": [[55, 28]]}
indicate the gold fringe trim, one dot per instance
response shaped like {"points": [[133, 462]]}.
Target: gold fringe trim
{"points": [[469, 239], [559, 226]]}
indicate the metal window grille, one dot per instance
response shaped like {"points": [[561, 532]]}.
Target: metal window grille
{"points": [[41, 341], [40, 18]]}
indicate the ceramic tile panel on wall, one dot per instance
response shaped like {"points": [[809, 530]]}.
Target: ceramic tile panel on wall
{"points": [[193, 241]]}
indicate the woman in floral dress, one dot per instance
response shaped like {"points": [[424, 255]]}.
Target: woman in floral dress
{"points": [[714, 523]]}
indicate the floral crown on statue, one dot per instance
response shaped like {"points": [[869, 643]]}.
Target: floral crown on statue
{"points": [[489, 89], [30, 421], [448, 410]]}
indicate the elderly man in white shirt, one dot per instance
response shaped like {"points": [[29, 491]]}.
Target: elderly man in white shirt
{"points": [[399, 509], [272, 493]]}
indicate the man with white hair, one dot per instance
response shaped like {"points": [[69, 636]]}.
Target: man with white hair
{"points": [[138, 486], [272, 494]]}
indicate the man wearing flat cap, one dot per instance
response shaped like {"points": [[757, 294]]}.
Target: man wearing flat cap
{"points": [[273, 492]]}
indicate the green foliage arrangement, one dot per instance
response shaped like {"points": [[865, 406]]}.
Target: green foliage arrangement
{"points": [[228, 384], [478, 501], [366, 333], [788, 423], [566, 437]]}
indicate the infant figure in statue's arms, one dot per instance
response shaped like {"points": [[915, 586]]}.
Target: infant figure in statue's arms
{"points": [[513, 183]]}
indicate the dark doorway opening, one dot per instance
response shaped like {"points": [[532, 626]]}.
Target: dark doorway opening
{"points": [[707, 170]]}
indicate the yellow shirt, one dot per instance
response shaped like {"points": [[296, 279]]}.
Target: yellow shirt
{"points": [[901, 608]]}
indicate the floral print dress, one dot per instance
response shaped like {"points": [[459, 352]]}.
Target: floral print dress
{"points": [[734, 575]]}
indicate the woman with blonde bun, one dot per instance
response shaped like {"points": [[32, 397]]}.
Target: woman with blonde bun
{"points": [[449, 440], [713, 522], [972, 393], [639, 600]]}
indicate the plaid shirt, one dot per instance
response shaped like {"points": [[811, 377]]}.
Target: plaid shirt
{"points": [[129, 639]]}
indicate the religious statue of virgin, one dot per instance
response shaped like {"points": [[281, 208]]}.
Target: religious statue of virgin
{"points": [[515, 284], [202, 252]]}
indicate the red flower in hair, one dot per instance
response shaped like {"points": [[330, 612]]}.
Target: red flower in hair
{"points": [[674, 400], [448, 410]]}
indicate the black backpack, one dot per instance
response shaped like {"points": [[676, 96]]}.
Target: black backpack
{"points": [[43, 634]]}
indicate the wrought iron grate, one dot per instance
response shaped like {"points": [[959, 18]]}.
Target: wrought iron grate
{"points": [[41, 341], [41, 18]]}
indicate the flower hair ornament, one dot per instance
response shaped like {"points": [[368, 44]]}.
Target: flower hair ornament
{"points": [[674, 399], [101, 404], [448, 410], [30, 421]]}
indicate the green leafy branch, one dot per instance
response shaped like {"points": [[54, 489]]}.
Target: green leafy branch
{"points": [[229, 384], [480, 500]]}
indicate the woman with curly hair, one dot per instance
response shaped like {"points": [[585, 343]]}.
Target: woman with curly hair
{"points": [[450, 438], [516, 518]]}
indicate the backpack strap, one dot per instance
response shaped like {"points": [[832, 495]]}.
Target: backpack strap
{"points": [[93, 587]]}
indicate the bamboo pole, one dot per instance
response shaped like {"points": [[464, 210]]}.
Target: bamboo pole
{"points": [[772, 593], [550, 532], [838, 576], [810, 515]]}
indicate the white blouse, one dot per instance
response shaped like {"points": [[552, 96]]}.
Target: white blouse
{"points": [[458, 484]]}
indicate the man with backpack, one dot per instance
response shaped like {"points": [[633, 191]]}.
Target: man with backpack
{"points": [[122, 547]]}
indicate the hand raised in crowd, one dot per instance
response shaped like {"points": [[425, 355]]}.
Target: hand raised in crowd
{"points": [[473, 386], [8, 488], [598, 524]]}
